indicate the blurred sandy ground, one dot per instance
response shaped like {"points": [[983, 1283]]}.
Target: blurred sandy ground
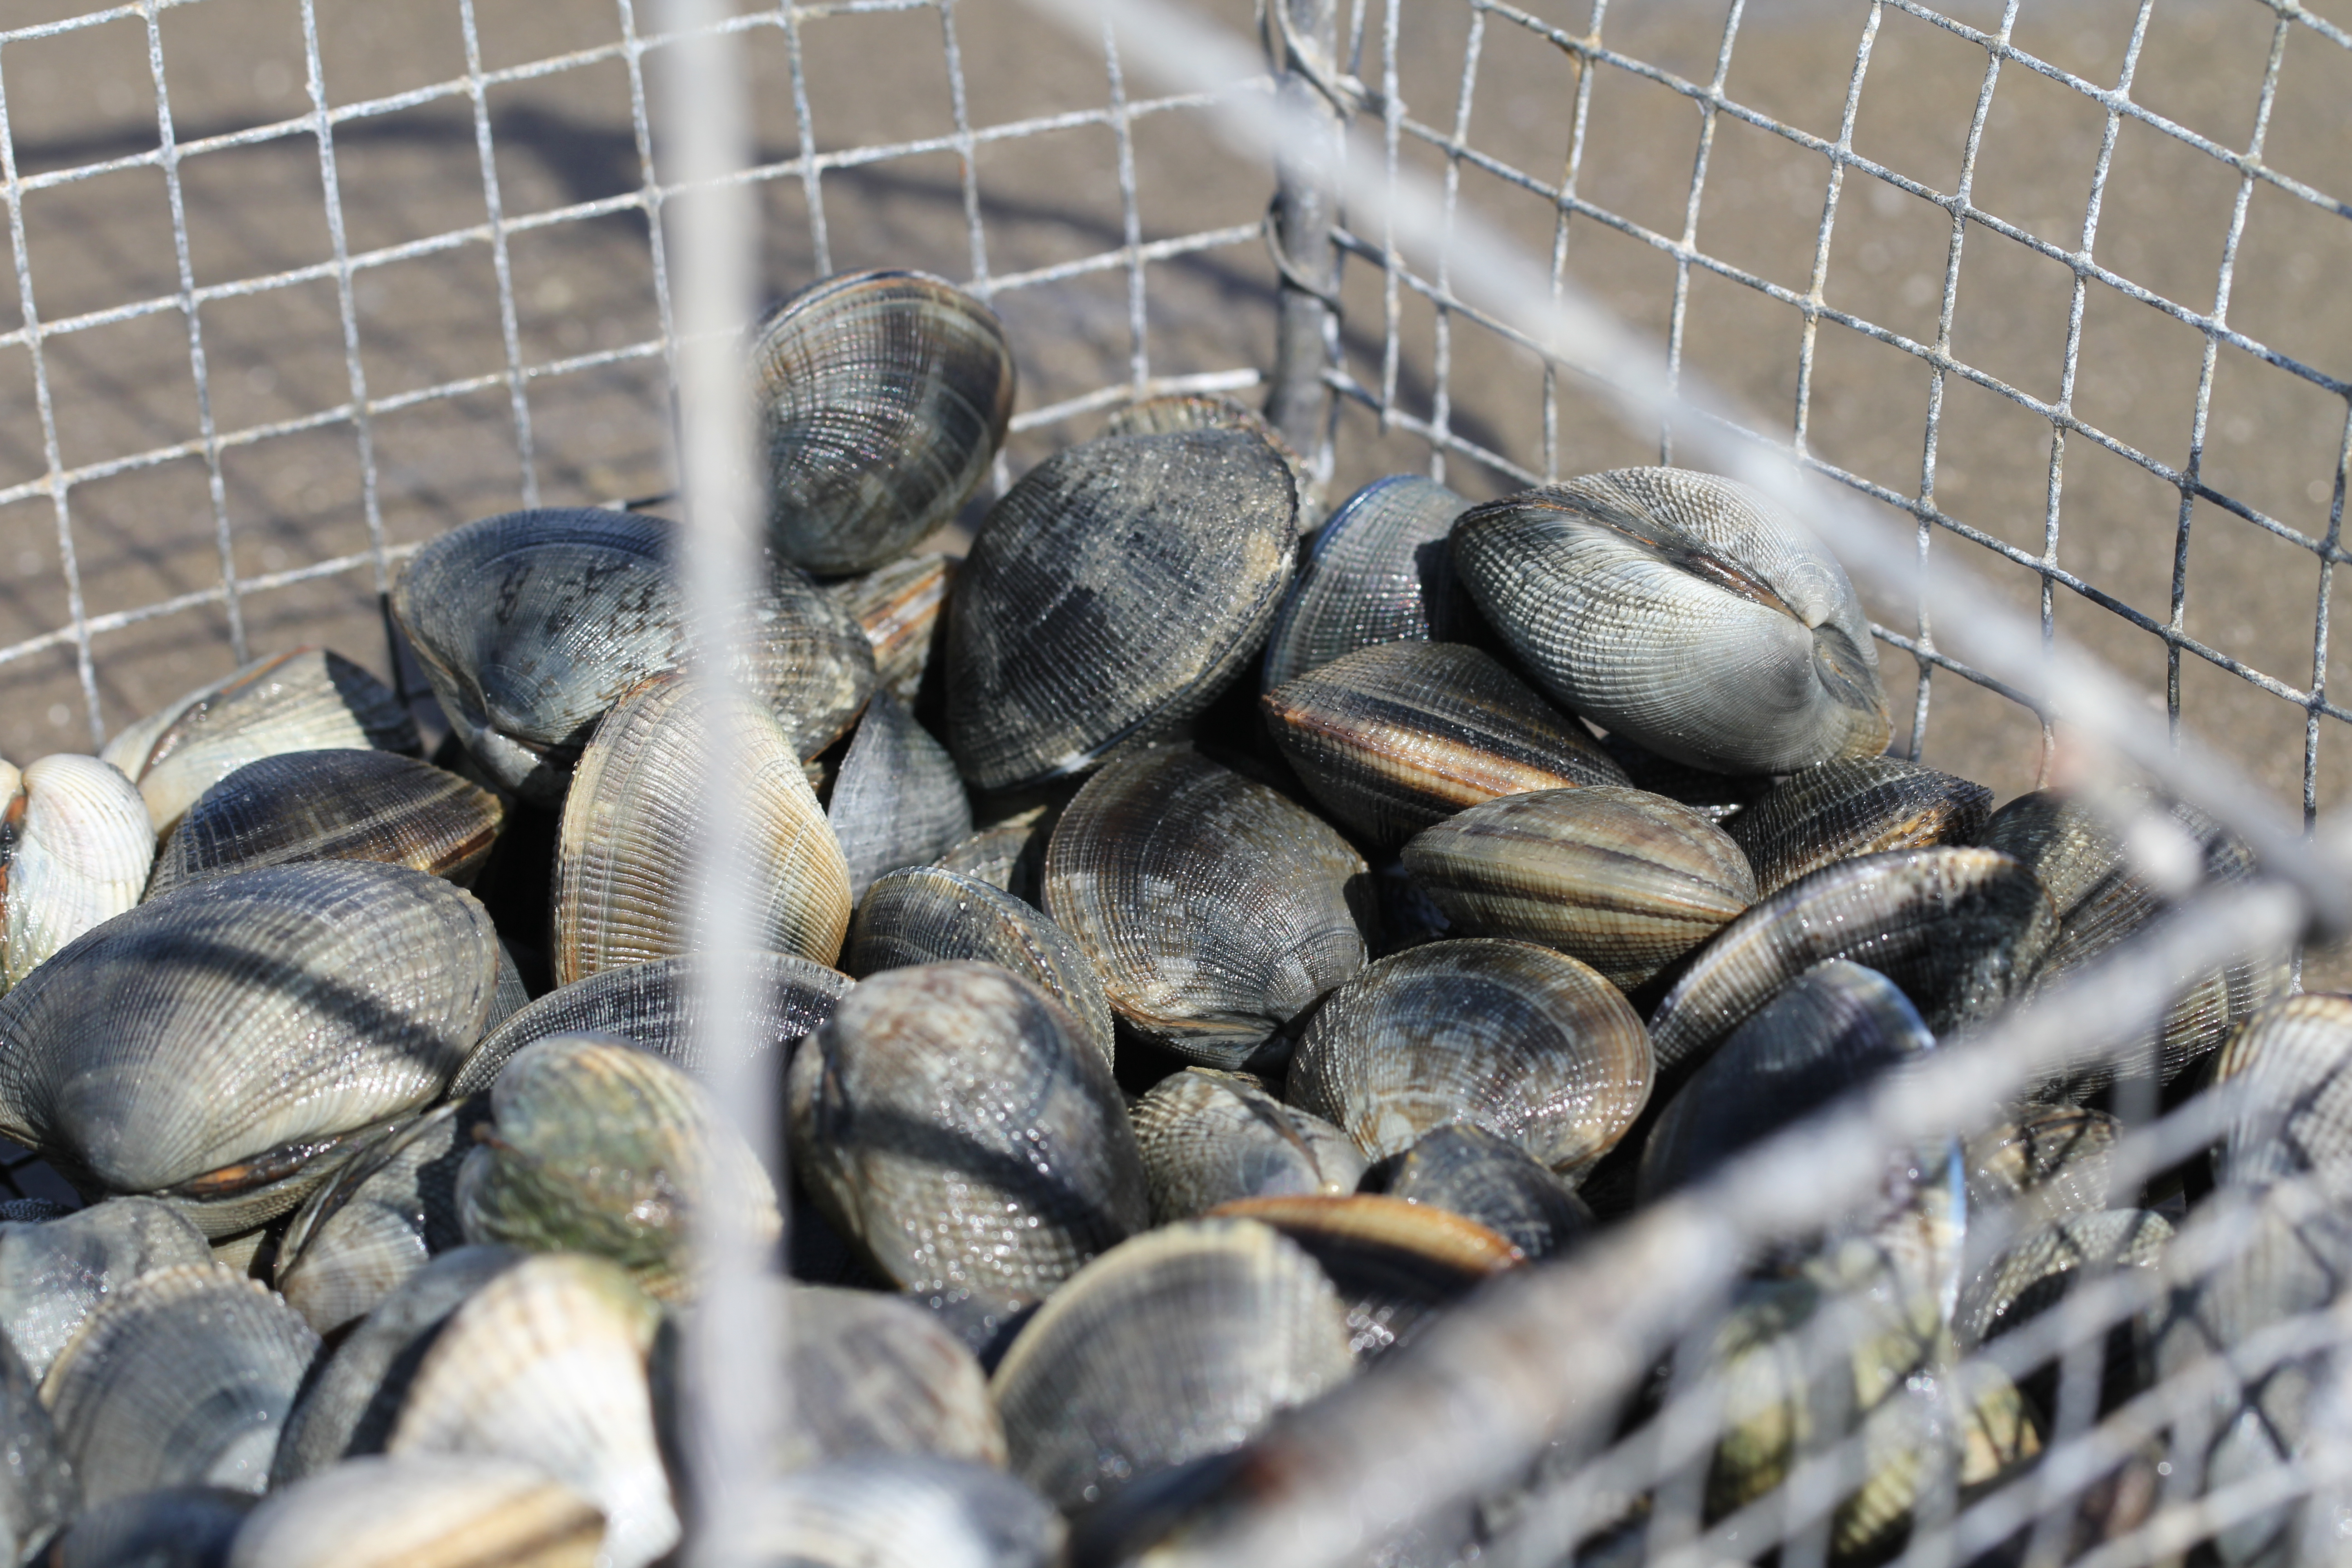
{"points": [[566, 137]]}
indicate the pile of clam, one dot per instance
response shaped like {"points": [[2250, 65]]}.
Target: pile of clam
{"points": [[1199, 943]]}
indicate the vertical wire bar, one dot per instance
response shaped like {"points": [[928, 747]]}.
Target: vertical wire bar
{"points": [[2330, 547], [959, 108], [1817, 285], [1392, 259], [1138, 352], [649, 190], [1299, 401], [812, 179], [509, 333], [1441, 405], [1579, 118], [1687, 246]]}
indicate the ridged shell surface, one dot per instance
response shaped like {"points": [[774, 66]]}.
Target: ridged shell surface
{"points": [[904, 1511], [1684, 610], [875, 1374], [626, 852], [422, 1511], [883, 396], [1210, 1137], [172, 1526], [2292, 1063], [1176, 411], [901, 607], [1396, 737], [55, 1272], [1010, 854], [378, 1220], [305, 700], [1523, 1041], [1463, 1169], [1626, 881], [2046, 1161], [2036, 1273], [897, 800], [955, 1121], [37, 1490], [1214, 909], [75, 844], [1178, 1344], [1380, 571], [1855, 805], [1108, 597]]}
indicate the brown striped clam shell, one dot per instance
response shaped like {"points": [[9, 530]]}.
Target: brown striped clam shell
{"points": [[902, 608], [1855, 805], [1466, 1170], [423, 1510], [1380, 571]]}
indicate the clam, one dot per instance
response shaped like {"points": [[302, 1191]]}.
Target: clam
{"points": [[1211, 1137], [925, 915], [220, 1045], [1719, 797], [1109, 596], [423, 1510], [1626, 881], [904, 1511], [1855, 805], [1685, 611], [2033, 1274], [333, 806], [956, 1123], [55, 1272], [626, 857], [1525, 1042], [883, 396], [1463, 1169], [1175, 1345], [1381, 571], [1397, 737], [1175, 411], [75, 845], [1215, 910], [874, 1375], [897, 800], [1010, 854], [901, 607], [378, 1218], [305, 700], [172, 1527], [2289, 1061], [509, 995], [2047, 1162], [182, 1376], [37, 1490]]}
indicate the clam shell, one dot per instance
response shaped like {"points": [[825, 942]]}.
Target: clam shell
{"points": [[1463, 1169], [37, 1490], [1381, 571], [1719, 797], [182, 1376], [1178, 1344], [2290, 1061], [172, 1527], [1855, 805], [904, 1512], [875, 1374], [901, 608], [1010, 854], [1175, 411], [954, 1122], [883, 396], [55, 1272], [1685, 611], [1108, 597], [378, 1220], [925, 915], [1959, 931], [1396, 737], [2045, 1161], [1215, 910], [305, 700], [1210, 1137], [1626, 881], [2036, 1273], [422, 1511], [897, 800], [75, 845], [1523, 1041], [624, 858]]}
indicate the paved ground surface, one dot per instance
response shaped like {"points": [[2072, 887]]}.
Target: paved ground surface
{"points": [[426, 320]]}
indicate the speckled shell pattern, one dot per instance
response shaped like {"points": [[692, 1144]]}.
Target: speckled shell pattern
{"points": [[1855, 805], [1466, 1170], [1626, 881], [378, 1220], [901, 1510], [897, 800], [876, 1374], [1215, 910], [1380, 571], [1109, 596], [882, 397], [2044, 1161], [1176, 1345], [1526, 1042], [55, 1272], [424, 1510], [955, 1121], [1175, 411], [75, 845], [1684, 610], [625, 851], [901, 608], [1211, 1137], [1959, 930], [333, 806], [1398, 737], [2034, 1274], [2291, 1065]]}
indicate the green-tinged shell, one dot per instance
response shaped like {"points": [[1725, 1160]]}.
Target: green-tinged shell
{"points": [[2035, 1272], [1855, 805], [1380, 572], [882, 398], [1398, 737], [1175, 411], [1627, 881], [214, 1045], [1178, 1344], [378, 1220], [902, 608], [1523, 1041], [1010, 854], [1684, 610], [956, 1123], [626, 863], [38, 1489], [333, 806], [897, 800], [75, 845], [1959, 931], [1215, 910], [306, 701], [1210, 1137], [1109, 596], [2046, 1161], [182, 1376], [424, 1510], [53, 1273], [597, 1147], [2292, 1064], [925, 915], [172, 1527], [1463, 1169], [546, 1363], [901, 1511], [877, 1375]]}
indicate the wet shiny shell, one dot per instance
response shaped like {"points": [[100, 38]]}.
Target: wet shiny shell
{"points": [[37, 1490], [1215, 910], [2047, 1160], [172, 1527], [1855, 805], [875, 1374], [1176, 411], [901, 607], [2292, 1064], [1381, 571], [897, 800], [1176, 1345], [906, 1511], [1521, 1040], [305, 700], [2034, 1274], [624, 855], [1010, 854], [1627, 881], [1684, 610], [882, 396], [75, 843], [1395, 737], [333, 806], [378, 1220], [1109, 596], [1210, 1137], [55, 1272], [422, 1511], [1463, 1169]]}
